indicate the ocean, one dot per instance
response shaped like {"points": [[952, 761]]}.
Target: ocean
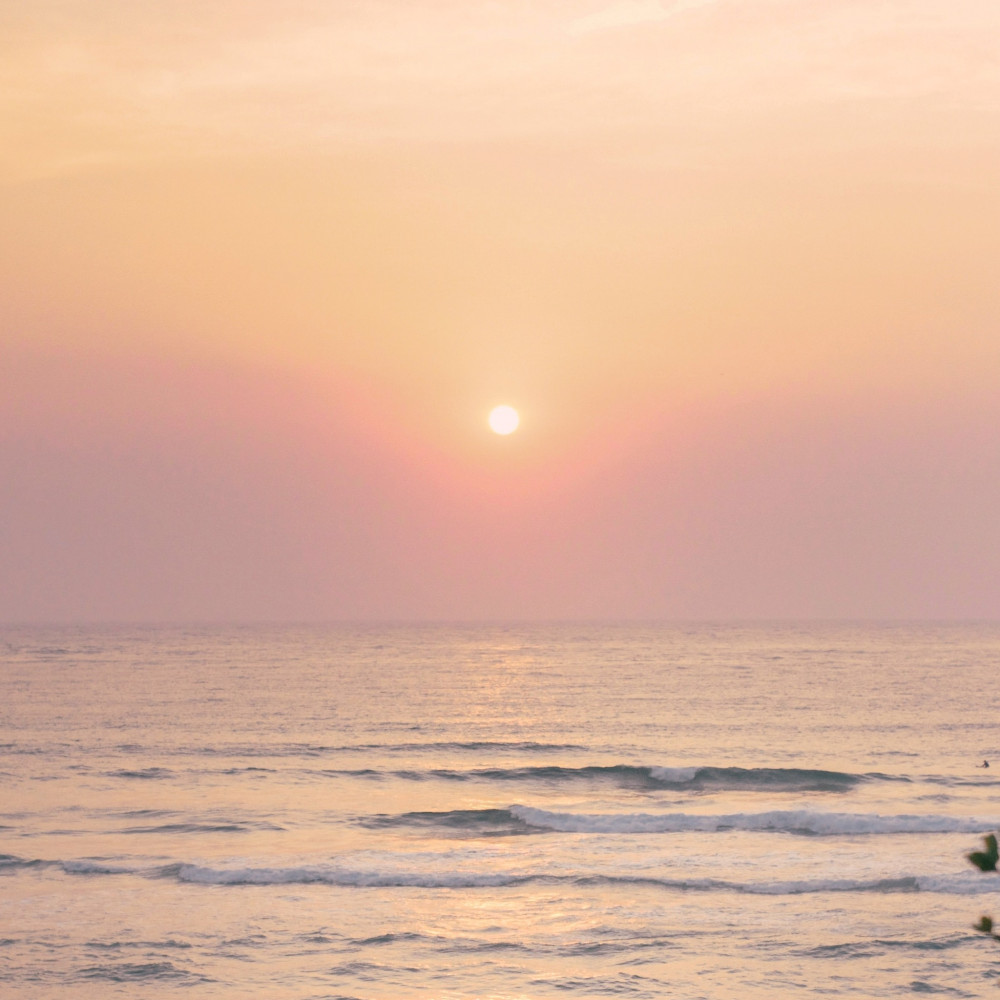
{"points": [[538, 811]]}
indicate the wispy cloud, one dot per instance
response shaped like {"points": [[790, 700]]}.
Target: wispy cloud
{"points": [[123, 81]]}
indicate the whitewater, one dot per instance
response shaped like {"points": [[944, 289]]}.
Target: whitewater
{"points": [[504, 812]]}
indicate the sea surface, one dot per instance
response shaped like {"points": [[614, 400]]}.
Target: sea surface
{"points": [[704, 811]]}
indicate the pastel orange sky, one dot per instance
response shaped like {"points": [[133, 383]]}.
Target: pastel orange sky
{"points": [[266, 268]]}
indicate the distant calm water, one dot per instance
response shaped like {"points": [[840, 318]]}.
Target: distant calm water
{"points": [[497, 812]]}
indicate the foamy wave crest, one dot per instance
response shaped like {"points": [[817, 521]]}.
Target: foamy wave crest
{"points": [[87, 867], [338, 877], [799, 821], [397, 873], [458, 822], [674, 775], [970, 883], [780, 779], [960, 884], [520, 820], [677, 778], [11, 863], [965, 883], [769, 779]]}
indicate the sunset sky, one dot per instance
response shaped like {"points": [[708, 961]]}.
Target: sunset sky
{"points": [[265, 268]]}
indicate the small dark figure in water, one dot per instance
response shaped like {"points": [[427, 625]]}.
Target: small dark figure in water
{"points": [[985, 763]]}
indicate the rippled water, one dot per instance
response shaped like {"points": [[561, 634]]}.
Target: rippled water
{"points": [[497, 812]]}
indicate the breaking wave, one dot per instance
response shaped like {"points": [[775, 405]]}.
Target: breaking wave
{"points": [[391, 874], [713, 779], [796, 821], [472, 822], [965, 883], [520, 819]]}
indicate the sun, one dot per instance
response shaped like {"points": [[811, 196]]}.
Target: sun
{"points": [[504, 419]]}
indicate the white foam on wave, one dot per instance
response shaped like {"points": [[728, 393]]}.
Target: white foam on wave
{"points": [[801, 821], [802, 886], [957, 883], [673, 775], [350, 878], [964, 883], [390, 876]]}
